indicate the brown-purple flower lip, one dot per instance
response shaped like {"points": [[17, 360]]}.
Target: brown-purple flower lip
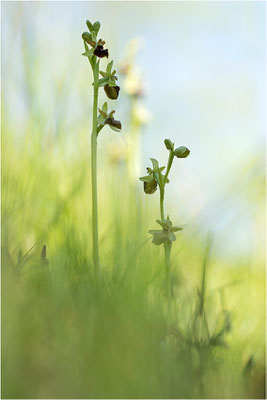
{"points": [[100, 51]]}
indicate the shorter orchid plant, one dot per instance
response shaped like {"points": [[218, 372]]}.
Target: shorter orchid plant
{"points": [[154, 179]]}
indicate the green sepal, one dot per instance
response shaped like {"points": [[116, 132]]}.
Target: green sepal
{"points": [[160, 238], [165, 223], [105, 107], [111, 83], [88, 53], [171, 236], [103, 113], [96, 27], [104, 74], [176, 229], [155, 164], [89, 26], [154, 231], [102, 82], [148, 178], [109, 67], [156, 176], [94, 36]]}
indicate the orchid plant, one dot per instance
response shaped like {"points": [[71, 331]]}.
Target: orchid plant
{"points": [[106, 79], [154, 179]]}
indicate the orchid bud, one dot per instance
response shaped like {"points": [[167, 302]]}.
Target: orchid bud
{"points": [[182, 152], [168, 144], [88, 39]]}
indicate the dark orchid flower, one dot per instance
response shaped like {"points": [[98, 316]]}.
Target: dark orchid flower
{"points": [[112, 92], [151, 181], [106, 118], [150, 187], [100, 51], [113, 123]]}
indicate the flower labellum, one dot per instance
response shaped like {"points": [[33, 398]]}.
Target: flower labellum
{"points": [[113, 122], [100, 51], [150, 187], [112, 92]]}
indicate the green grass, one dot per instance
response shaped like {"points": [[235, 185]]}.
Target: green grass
{"points": [[63, 339]]}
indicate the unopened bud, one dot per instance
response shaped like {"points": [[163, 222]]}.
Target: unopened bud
{"points": [[168, 144], [182, 152]]}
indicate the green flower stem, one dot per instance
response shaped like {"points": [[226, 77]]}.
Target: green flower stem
{"points": [[170, 160], [167, 250], [162, 203], [168, 244], [94, 175]]}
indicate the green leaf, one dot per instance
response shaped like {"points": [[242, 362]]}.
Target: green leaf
{"points": [[89, 26], [148, 178], [109, 67], [155, 164], [96, 27]]}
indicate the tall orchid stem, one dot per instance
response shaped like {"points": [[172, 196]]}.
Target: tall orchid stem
{"points": [[94, 176], [168, 244]]}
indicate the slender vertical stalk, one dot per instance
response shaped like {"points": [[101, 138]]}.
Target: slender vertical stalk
{"points": [[167, 250], [162, 203], [94, 176]]}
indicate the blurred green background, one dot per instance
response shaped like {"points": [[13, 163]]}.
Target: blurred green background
{"points": [[189, 71]]}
